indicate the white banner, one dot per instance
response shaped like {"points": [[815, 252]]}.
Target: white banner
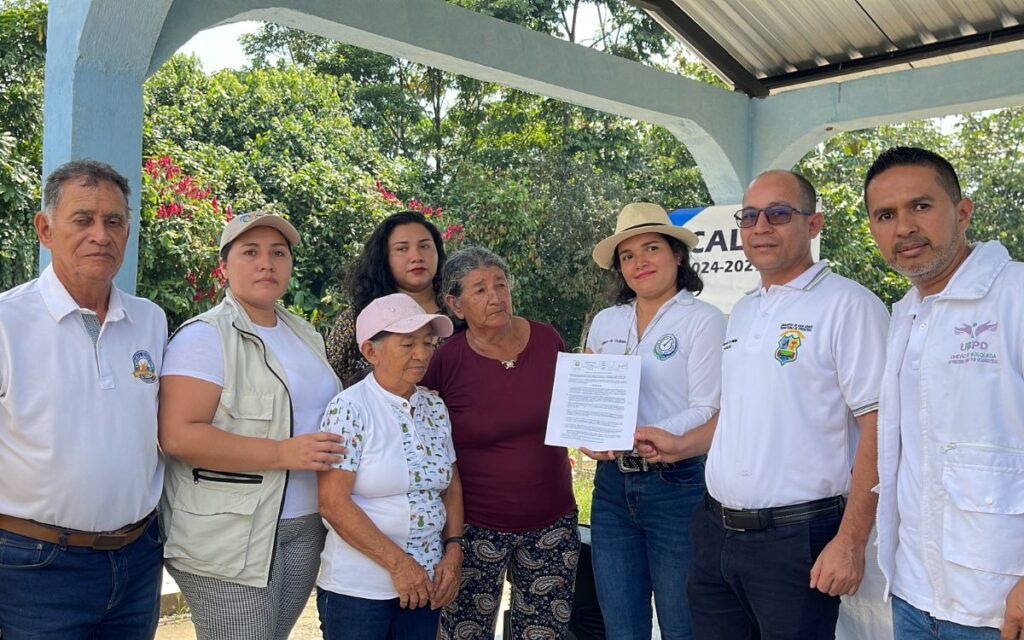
{"points": [[719, 258]]}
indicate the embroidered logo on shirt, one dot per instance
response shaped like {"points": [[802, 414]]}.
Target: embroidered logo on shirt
{"points": [[975, 349], [666, 347], [975, 330], [143, 367], [789, 346]]}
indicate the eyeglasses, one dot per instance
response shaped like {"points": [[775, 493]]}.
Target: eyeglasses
{"points": [[775, 214]]}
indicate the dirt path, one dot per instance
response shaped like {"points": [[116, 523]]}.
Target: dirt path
{"points": [[180, 627]]}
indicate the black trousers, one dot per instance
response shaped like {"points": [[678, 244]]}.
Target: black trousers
{"points": [[753, 585]]}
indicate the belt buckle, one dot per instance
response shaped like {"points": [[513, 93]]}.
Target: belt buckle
{"points": [[725, 521], [624, 468], [109, 541]]}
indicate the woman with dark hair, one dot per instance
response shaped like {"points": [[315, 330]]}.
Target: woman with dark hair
{"points": [[640, 515], [404, 254]]}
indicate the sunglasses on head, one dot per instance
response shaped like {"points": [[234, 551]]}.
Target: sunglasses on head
{"points": [[775, 214]]}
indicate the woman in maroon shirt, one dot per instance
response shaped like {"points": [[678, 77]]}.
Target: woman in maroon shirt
{"points": [[496, 378]]}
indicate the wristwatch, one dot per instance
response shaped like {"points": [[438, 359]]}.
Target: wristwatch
{"points": [[456, 539]]}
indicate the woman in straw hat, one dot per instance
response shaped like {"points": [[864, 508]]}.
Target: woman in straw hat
{"points": [[242, 392], [641, 510], [394, 501]]}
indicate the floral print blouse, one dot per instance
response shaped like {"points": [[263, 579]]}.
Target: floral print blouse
{"points": [[380, 428]]}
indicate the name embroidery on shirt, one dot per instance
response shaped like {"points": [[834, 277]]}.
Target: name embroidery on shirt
{"points": [[143, 367], [975, 349], [666, 347]]}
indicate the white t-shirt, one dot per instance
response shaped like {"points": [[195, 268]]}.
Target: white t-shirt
{"points": [[681, 359], [196, 352], [800, 361]]}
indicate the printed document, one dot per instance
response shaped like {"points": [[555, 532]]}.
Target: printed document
{"points": [[594, 401]]}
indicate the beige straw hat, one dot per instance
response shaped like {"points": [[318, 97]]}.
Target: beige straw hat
{"points": [[635, 219]]}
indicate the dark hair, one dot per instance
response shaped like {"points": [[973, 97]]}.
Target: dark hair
{"points": [[686, 276], [916, 157], [91, 172], [808, 196], [371, 277]]}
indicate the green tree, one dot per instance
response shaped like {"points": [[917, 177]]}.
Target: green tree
{"points": [[991, 157], [279, 139], [22, 61], [838, 167]]}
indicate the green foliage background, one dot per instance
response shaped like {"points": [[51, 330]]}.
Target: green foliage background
{"points": [[312, 127]]}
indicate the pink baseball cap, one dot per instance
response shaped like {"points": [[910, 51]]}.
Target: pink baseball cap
{"points": [[398, 313]]}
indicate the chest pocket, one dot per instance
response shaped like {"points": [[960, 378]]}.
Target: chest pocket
{"points": [[985, 484], [248, 414]]}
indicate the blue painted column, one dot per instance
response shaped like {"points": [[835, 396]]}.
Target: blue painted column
{"points": [[97, 55]]}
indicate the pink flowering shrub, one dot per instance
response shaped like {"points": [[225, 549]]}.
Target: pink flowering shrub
{"points": [[452, 233], [181, 222]]}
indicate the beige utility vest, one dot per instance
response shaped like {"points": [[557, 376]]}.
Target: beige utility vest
{"points": [[224, 524]]}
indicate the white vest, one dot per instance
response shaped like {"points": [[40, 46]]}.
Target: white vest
{"points": [[223, 524]]}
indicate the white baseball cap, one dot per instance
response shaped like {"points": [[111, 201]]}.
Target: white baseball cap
{"points": [[245, 221]]}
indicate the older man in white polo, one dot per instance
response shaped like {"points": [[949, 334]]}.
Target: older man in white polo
{"points": [[80, 475]]}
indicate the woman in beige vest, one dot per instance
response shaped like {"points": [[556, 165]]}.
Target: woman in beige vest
{"points": [[243, 390]]}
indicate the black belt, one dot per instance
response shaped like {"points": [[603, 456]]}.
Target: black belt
{"points": [[635, 464], [760, 519]]}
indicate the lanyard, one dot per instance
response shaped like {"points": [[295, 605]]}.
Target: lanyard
{"points": [[650, 328]]}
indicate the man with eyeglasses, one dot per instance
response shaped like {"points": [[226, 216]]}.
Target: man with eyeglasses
{"points": [[777, 541], [951, 416]]}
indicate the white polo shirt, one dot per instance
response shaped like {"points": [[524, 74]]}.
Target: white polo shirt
{"points": [[799, 362], [681, 359], [78, 440]]}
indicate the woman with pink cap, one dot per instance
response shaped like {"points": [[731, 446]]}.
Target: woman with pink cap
{"points": [[394, 501]]}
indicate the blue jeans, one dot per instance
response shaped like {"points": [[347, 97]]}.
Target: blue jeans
{"points": [[54, 592], [754, 585], [349, 618], [910, 623], [641, 544]]}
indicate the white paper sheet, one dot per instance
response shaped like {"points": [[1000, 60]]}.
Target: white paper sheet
{"points": [[594, 402]]}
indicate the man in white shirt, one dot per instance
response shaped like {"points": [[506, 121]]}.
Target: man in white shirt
{"points": [[951, 416], [777, 541], [80, 550]]}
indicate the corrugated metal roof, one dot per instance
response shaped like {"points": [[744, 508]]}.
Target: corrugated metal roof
{"points": [[769, 44]]}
